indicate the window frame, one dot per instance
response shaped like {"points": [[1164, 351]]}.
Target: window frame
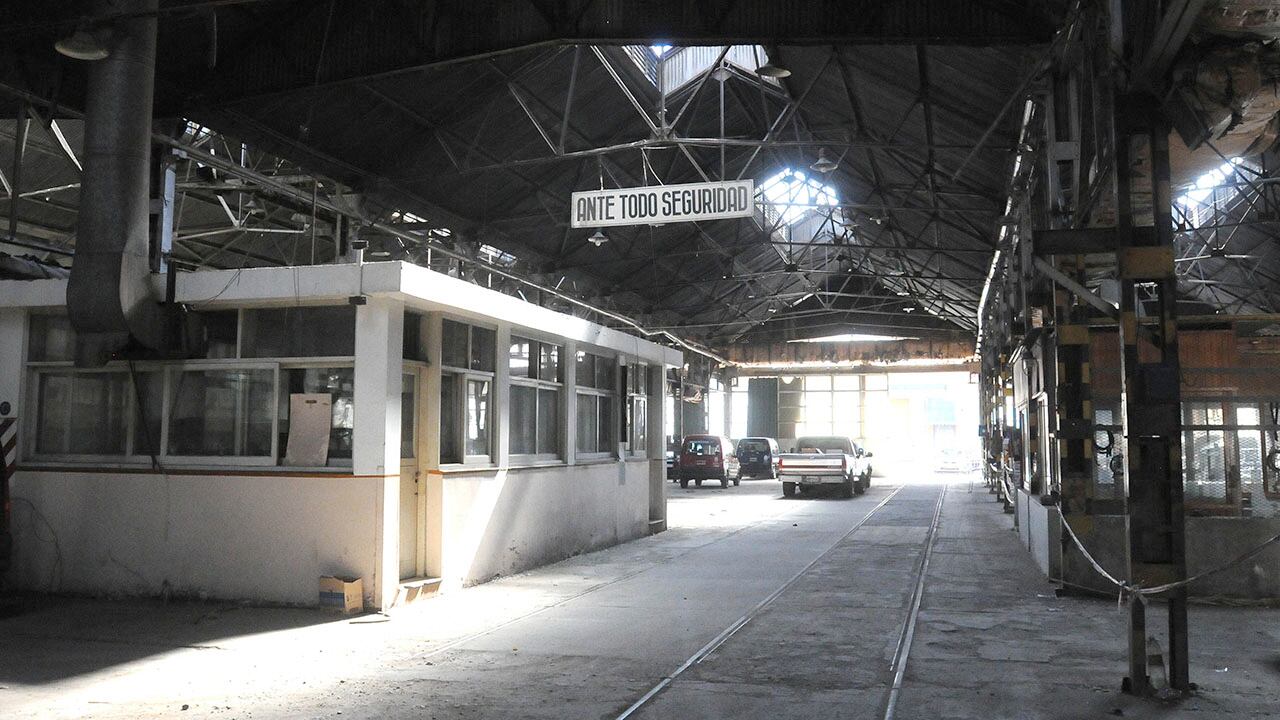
{"points": [[461, 377], [131, 455], [241, 320], [610, 417], [538, 384], [832, 422], [471, 327], [411, 370], [31, 424], [637, 444], [338, 363], [203, 366]]}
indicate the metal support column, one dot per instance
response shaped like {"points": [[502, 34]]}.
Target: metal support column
{"points": [[1074, 407], [1151, 391]]}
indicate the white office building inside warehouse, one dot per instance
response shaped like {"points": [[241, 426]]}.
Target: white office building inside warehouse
{"points": [[378, 421]]}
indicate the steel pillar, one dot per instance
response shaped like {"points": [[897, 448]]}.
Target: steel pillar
{"points": [[1074, 430], [1151, 391]]}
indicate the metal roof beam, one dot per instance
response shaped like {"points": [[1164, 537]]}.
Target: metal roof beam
{"points": [[384, 37]]}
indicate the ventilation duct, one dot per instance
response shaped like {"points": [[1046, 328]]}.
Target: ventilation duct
{"points": [[1224, 104], [109, 294]]}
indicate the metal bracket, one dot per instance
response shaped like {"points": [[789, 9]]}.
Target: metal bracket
{"points": [[1079, 290]]}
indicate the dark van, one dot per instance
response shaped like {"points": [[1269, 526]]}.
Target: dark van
{"points": [[758, 457], [707, 457]]}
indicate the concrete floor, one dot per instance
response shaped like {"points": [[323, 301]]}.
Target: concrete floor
{"points": [[783, 611]]}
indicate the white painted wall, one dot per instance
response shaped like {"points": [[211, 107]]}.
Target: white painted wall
{"points": [[376, 432], [261, 538], [499, 522]]}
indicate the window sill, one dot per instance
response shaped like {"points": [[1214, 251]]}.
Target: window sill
{"points": [[595, 459], [99, 467], [461, 469], [519, 463]]}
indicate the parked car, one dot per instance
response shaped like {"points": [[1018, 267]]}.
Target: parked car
{"points": [[671, 462], [707, 457], [825, 460], [956, 460], [758, 457]]}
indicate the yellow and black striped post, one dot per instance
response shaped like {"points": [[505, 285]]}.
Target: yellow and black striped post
{"points": [[8, 463], [1074, 432]]}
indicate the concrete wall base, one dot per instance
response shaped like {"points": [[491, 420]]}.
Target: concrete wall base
{"points": [[1211, 543], [264, 539]]}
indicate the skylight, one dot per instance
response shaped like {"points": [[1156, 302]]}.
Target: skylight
{"points": [[672, 68], [1209, 194], [1208, 182], [400, 216], [496, 256], [793, 195], [196, 133]]}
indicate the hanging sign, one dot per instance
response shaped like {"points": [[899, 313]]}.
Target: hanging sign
{"points": [[658, 204]]}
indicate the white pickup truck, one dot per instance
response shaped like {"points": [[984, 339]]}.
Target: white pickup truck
{"points": [[831, 461]]}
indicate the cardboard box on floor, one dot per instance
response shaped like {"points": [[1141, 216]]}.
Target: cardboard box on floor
{"points": [[345, 595]]}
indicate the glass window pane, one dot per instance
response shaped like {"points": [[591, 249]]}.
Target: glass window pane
{"points": [[450, 411], [478, 417], [50, 338], [549, 421], [150, 413], [876, 382], [82, 413], [846, 427], [339, 384], [518, 358], [1248, 415], [1105, 419], [524, 417], [549, 362], [299, 332], [587, 423], [1204, 459], [846, 382], [843, 415], [408, 415], [99, 402], [604, 427], [817, 382], [1203, 413], [454, 344], [586, 370], [53, 409], [604, 374], [483, 344], [817, 409], [738, 413], [414, 348], [222, 413], [221, 330], [1250, 442], [850, 400], [639, 424]]}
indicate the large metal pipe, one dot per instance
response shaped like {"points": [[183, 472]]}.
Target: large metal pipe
{"points": [[108, 296]]}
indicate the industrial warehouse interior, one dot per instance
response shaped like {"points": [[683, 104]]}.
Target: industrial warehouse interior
{"points": [[578, 359]]}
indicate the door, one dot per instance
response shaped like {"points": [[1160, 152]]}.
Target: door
{"points": [[410, 478]]}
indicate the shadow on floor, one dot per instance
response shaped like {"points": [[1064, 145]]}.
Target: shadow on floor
{"points": [[48, 638]]}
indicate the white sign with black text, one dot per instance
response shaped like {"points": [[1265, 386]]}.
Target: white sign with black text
{"points": [[658, 204]]}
